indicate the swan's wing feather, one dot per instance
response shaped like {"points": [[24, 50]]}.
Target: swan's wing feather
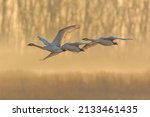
{"points": [[111, 38], [108, 39], [50, 55], [89, 45], [44, 41], [124, 39], [62, 32], [78, 43]]}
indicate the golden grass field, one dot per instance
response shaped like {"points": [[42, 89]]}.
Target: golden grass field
{"points": [[102, 85]]}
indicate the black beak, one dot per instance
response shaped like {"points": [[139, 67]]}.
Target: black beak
{"points": [[82, 50], [29, 44], [115, 43]]}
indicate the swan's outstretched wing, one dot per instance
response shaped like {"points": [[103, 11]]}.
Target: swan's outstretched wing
{"points": [[44, 41], [77, 43], [91, 44], [116, 38], [62, 32], [50, 55], [111, 38], [123, 38]]}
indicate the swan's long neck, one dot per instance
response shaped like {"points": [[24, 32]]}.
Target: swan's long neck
{"points": [[38, 46]]}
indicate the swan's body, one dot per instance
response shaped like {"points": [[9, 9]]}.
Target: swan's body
{"points": [[106, 41], [73, 47], [55, 46]]}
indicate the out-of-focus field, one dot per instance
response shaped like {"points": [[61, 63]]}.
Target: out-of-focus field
{"points": [[103, 85]]}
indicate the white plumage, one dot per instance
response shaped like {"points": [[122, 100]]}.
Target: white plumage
{"points": [[105, 40], [55, 46]]}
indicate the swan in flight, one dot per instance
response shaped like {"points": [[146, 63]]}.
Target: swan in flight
{"points": [[74, 46], [105, 40], [55, 46]]}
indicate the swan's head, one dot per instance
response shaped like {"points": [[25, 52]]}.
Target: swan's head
{"points": [[31, 44], [87, 39]]}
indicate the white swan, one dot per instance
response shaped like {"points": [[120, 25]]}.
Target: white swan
{"points": [[73, 46], [105, 40], [55, 46]]}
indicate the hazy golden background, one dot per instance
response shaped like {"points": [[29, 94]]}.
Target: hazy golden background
{"points": [[23, 76]]}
